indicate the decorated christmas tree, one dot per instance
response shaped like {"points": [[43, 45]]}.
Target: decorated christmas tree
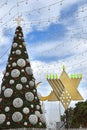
{"points": [[19, 103]]}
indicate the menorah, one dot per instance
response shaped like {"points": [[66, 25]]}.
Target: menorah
{"points": [[64, 88]]}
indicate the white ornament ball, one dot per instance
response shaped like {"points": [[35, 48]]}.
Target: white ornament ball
{"points": [[11, 81], [18, 52], [9, 65], [27, 86], [10, 58], [25, 123], [22, 70], [42, 118], [37, 113], [14, 45], [33, 119], [32, 106], [0, 99], [2, 118], [15, 73], [14, 64], [3, 88], [17, 102], [17, 116], [19, 86], [8, 123], [20, 46], [31, 83], [26, 110], [8, 92], [7, 74], [19, 37], [29, 96], [35, 97], [7, 109], [40, 123], [34, 90], [21, 62], [19, 34], [29, 70], [23, 79], [28, 61], [13, 52], [24, 43], [38, 107]]}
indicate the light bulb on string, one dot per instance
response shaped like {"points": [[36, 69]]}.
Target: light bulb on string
{"points": [[39, 23], [57, 20], [6, 2], [38, 11], [85, 41], [48, 20], [49, 8], [83, 54], [83, 19], [26, 1], [17, 4], [82, 9], [29, 13], [31, 24], [9, 13], [60, 2], [1, 21]]}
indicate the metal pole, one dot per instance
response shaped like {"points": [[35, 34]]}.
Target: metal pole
{"points": [[59, 110]]}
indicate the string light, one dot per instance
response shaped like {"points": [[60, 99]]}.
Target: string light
{"points": [[5, 53], [48, 20], [3, 4], [34, 9]]}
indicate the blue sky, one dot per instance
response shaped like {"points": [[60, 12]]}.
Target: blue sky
{"points": [[55, 35]]}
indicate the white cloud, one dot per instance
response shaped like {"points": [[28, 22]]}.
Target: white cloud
{"points": [[30, 12], [70, 48], [71, 45]]}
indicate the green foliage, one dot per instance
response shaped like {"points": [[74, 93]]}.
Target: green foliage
{"points": [[81, 113], [77, 116]]}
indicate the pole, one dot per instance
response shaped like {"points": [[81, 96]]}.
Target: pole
{"points": [[59, 111], [67, 119]]}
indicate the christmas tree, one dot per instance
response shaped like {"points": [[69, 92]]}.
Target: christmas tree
{"points": [[19, 103]]}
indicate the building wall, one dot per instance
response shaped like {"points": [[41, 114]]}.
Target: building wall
{"points": [[52, 113]]}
